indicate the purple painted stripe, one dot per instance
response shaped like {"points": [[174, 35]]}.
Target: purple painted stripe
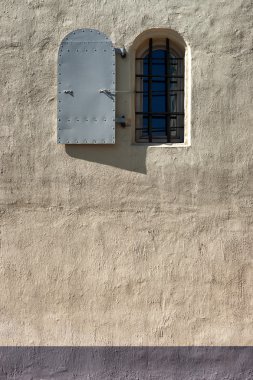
{"points": [[142, 363]]}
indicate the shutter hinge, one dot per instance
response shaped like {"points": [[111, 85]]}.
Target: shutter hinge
{"points": [[121, 51]]}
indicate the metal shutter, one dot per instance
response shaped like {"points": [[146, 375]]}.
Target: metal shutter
{"points": [[86, 68]]}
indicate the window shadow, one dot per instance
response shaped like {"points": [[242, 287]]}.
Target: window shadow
{"points": [[123, 155]]}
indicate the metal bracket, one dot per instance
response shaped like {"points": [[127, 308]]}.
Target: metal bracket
{"points": [[121, 120], [121, 51]]}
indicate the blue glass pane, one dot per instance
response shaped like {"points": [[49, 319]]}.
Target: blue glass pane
{"points": [[158, 90]]}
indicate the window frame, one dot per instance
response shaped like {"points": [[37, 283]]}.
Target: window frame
{"points": [[138, 49]]}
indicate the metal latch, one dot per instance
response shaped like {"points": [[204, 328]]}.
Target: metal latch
{"points": [[121, 120], [69, 92]]}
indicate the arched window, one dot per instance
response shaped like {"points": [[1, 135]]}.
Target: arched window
{"points": [[159, 90]]}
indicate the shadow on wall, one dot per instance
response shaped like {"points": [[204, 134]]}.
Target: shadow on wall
{"points": [[121, 155]]}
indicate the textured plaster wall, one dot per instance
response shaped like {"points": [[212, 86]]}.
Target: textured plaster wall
{"points": [[124, 244]]}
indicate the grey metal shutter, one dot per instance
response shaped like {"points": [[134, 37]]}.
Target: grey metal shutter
{"points": [[86, 70]]}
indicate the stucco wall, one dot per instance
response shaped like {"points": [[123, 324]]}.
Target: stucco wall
{"points": [[126, 245]]}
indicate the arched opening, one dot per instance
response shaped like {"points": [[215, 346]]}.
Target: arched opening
{"points": [[160, 88]]}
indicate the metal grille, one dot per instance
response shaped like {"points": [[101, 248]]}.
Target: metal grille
{"points": [[160, 95]]}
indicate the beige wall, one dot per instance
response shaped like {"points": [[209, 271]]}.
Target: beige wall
{"points": [[125, 244]]}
